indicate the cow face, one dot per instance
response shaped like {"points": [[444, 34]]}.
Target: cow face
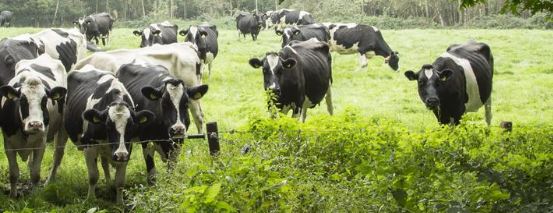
{"points": [[196, 35], [430, 83], [274, 68], [31, 97], [121, 124], [393, 60], [79, 23], [258, 20], [149, 36], [173, 99], [288, 34]]}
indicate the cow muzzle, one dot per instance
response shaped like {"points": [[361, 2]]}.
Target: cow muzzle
{"points": [[34, 127], [121, 156], [177, 131], [432, 103]]}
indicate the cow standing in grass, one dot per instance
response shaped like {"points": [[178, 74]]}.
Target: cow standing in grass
{"points": [[160, 33], [247, 23], [205, 38], [32, 114], [458, 81], [96, 26]]}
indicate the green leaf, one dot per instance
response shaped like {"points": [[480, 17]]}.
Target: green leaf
{"points": [[212, 192]]}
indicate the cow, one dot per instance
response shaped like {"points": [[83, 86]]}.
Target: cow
{"points": [[458, 81], [248, 23], [6, 18], [181, 59], [159, 33], [284, 17], [153, 88], [304, 33], [32, 114], [363, 39], [264, 19], [300, 76], [66, 45], [205, 38], [96, 26], [13, 50], [101, 120]]}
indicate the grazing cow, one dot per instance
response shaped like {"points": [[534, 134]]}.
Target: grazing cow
{"points": [[96, 25], [363, 39], [283, 17], [101, 120], [160, 33], [205, 38], [299, 75], [12, 50], [32, 114], [458, 81], [66, 45], [304, 33], [6, 18], [153, 88], [181, 59], [248, 23]]}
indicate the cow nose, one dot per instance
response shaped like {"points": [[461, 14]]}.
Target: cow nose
{"points": [[432, 102], [121, 156], [178, 130], [35, 125]]}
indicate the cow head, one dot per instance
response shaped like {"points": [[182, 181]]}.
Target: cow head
{"points": [[31, 97], [289, 34], [14, 50], [121, 123], [198, 36], [430, 83], [258, 20], [275, 70], [79, 23], [393, 60], [173, 98], [149, 36]]}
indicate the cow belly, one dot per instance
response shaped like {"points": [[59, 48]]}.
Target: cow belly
{"points": [[474, 102], [342, 49]]}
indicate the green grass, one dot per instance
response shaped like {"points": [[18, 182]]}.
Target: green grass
{"points": [[523, 82]]}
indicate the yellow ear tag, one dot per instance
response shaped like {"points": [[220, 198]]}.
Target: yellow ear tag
{"points": [[96, 119], [11, 96], [153, 97], [143, 119], [198, 96]]}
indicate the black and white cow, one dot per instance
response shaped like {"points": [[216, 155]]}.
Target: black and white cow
{"points": [[363, 39], [300, 76], [181, 59], [96, 26], [304, 33], [248, 23], [101, 120], [284, 17], [13, 50], [32, 114], [159, 33], [6, 18], [205, 38], [66, 45], [153, 88], [458, 81]]}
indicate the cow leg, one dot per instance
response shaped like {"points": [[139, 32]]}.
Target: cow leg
{"points": [[303, 114], [91, 155], [296, 112], [13, 167], [328, 98], [197, 114], [104, 41], [59, 151], [35, 163], [209, 70], [488, 108], [148, 153], [363, 61], [120, 171], [96, 39], [105, 166]]}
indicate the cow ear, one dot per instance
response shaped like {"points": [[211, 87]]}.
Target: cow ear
{"points": [[255, 63], [183, 32], [203, 33], [156, 32], [279, 32], [137, 33], [9, 92], [411, 75], [289, 63], [143, 117], [445, 74], [151, 93], [57, 93], [94, 116], [295, 31], [197, 92]]}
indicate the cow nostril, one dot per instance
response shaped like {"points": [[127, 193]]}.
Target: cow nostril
{"points": [[432, 101], [121, 156]]}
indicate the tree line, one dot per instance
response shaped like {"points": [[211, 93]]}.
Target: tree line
{"points": [[43, 13]]}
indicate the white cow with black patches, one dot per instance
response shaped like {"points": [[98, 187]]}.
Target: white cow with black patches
{"points": [[204, 36], [32, 111], [102, 121]]}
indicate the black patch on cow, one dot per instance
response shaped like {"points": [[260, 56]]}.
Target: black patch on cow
{"points": [[61, 32], [46, 71], [24, 106], [68, 53], [102, 89]]}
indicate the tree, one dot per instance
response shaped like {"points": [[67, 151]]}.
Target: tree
{"points": [[516, 6]]}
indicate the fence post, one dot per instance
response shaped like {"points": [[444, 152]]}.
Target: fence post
{"points": [[213, 138]]}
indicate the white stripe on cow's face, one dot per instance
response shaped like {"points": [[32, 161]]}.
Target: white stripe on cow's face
{"points": [[175, 94], [120, 114], [474, 102], [428, 73], [147, 32], [374, 28], [193, 31], [34, 91]]}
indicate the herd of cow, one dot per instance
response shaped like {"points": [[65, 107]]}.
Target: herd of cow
{"points": [[103, 102]]}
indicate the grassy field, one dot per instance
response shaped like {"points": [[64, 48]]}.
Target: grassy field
{"points": [[522, 93]]}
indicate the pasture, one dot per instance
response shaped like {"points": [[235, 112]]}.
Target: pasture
{"points": [[363, 158]]}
